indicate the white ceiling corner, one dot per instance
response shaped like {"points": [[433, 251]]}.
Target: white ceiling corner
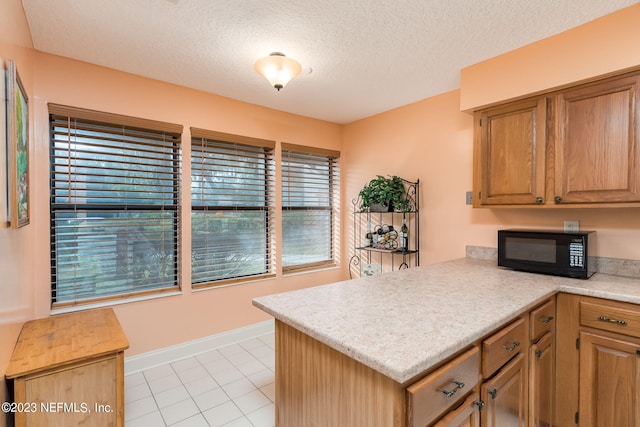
{"points": [[367, 56]]}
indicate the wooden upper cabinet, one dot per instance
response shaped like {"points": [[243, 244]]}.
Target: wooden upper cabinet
{"points": [[579, 145], [509, 154], [597, 157]]}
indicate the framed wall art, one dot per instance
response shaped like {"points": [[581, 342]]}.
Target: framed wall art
{"points": [[17, 149], [3, 147]]}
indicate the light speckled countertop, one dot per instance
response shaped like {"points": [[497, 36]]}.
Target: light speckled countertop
{"points": [[405, 322]]}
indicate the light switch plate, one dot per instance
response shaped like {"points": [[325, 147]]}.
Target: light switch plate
{"points": [[469, 197], [571, 226]]}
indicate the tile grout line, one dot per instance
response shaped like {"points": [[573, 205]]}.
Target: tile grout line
{"points": [[228, 356]]}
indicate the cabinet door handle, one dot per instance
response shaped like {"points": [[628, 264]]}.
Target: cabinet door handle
{"points": [[545, 319], [449, 393], [512, 346], [538, 354], [608, 319], [539, 199], [493, 393], [557, 199]]}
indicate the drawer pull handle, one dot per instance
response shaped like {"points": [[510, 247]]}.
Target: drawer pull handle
{"points": [[546, 319], [607, 319], [449, 393], [513, 346]]}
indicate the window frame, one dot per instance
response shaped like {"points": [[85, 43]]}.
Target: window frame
{"points": [[106, 120], [333, 181], [201, 136]]}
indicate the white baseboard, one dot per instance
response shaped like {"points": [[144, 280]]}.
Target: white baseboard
{"points": [[162, 356]]}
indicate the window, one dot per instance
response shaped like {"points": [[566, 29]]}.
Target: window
{"points": [[114, 205], [232, 179], [310, 207]]}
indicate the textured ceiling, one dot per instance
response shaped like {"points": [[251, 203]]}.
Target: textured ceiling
{"points": [[367, 56]]}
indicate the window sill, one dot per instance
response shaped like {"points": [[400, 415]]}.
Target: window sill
{"points": [[63, 309], [230, 282], [307, 270]]}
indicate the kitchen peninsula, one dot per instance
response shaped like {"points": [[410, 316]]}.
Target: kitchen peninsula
{"points": [[348, 353]]}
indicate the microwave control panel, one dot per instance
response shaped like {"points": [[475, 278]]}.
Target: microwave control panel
{"points": [[576, 254]]}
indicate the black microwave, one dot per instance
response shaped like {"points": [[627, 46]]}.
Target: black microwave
{"points": [[559, 253]]}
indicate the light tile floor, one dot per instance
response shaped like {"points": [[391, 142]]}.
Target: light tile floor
{"points": [[231, 386]]}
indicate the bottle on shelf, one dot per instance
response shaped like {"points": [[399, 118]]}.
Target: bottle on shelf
{"points": [[368, 238], [404, 236]]}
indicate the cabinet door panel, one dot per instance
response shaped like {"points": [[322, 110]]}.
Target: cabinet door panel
{"points": [[511, 152], [81, 388], [542, 382], [505, 396], [466, 415], [609, 381], [597, 153]]}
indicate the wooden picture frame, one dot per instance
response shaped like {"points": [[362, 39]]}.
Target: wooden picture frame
{"points": [[17, 149], [3, 147]]}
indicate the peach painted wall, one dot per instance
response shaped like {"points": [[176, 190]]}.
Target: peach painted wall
{"points": [[16, 246], [600, 47], [25, 257], [170, 320], [432, 140]]}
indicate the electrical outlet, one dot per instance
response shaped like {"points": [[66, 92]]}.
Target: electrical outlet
{"points": [[469, 197], [571, 226]]}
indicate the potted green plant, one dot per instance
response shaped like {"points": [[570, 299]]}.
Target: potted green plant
{"points": [[384, 195]]}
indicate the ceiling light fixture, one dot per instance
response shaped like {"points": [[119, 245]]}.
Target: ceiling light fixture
{"points": [[278, 69]]}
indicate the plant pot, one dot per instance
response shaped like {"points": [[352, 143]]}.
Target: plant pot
{"points": [[378, 207]]}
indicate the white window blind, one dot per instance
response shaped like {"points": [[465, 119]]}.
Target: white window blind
{"points": [[310, 207], [232, 198], [114, 205]]}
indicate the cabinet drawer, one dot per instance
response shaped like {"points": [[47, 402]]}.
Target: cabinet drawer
{"points": [[433, 395], [613, 316], [503, 345], [543, 319]]}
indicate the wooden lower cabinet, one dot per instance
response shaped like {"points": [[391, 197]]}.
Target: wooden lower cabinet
{"points": [[598, 362], [505, 396], [609, 381], [466, 415], [317, 386], [542, 376], [567, 360], [86, 394], [68, 370]]}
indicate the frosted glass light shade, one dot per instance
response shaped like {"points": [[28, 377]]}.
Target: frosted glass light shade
{"points": [[278, 69]]}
